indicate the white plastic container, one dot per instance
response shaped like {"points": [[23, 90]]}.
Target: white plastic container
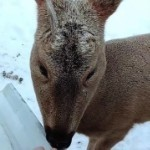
{"points": [[19, 128]]}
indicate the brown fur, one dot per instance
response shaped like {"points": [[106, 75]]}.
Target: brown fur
{"points": [[84, 84]]}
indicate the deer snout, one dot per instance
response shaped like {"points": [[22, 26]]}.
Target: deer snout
{"points": [[58, 139]]}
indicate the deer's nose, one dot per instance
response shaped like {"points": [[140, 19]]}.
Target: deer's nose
{"points": [[58, 139]]}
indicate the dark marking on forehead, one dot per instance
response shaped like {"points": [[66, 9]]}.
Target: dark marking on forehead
{"points": [[69, 57], [72, 27]]}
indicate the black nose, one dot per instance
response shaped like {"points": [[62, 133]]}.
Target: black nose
{"points": [[58, 139]]}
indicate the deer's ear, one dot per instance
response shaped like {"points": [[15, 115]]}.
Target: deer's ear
{"points": [[105, 8], [39, 2]]}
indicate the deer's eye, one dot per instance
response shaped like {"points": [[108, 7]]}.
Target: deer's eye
{"points": [[90, 74], [43, 71]]}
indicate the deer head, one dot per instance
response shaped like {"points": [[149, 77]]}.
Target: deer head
{"points": [[68, 61]]}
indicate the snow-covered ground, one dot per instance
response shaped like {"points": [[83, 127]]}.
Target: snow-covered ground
{"points": [[17, 28]]}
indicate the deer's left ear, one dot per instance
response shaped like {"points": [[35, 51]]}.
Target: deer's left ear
{"points": [[105, 8]]}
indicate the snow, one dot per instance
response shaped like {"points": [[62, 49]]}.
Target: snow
{"points": [[17, 28], [131, 18]]}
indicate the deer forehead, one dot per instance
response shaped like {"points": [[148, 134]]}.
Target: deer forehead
{"points": [[73, 47], [75, 38], [76, 23], [75, 34]]}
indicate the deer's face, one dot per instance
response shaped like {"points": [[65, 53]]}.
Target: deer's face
{"points": [[67, 64], [66, 77]]}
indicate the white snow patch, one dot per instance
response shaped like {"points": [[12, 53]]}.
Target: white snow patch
{"points": [[131, 18]]}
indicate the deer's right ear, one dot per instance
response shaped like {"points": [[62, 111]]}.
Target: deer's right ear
{"points": [[105, 8], [39, 2]]}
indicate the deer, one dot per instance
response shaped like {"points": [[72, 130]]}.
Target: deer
{"points": [[83, 83]]}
